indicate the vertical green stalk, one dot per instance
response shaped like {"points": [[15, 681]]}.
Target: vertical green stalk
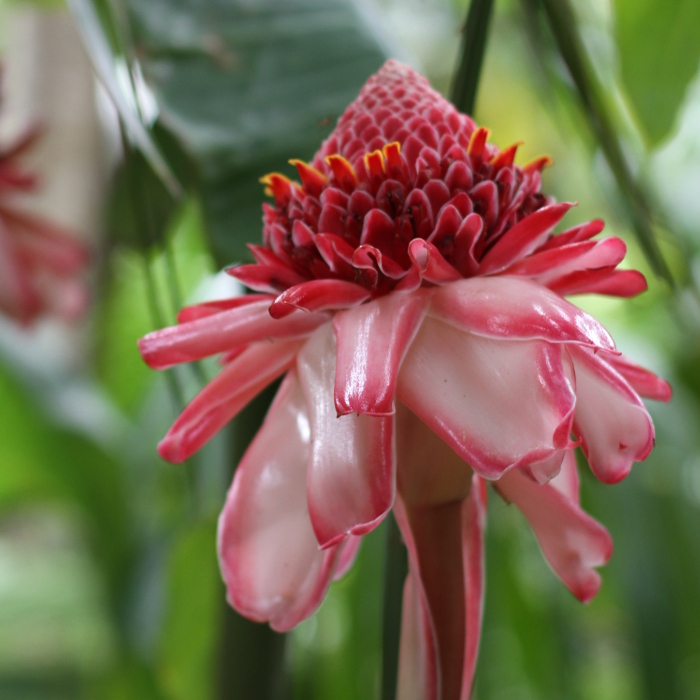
{"points": [[471, 56], [395, 571]]}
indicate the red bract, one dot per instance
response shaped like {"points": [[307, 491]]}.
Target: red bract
{"points": [[40, 262], [412, 295]]}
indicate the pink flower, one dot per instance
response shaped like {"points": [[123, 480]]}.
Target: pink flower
{"points": [[39, 261], [411, 292]]}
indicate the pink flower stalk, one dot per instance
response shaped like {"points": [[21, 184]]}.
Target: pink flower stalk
{"points": [[411, 291], [39, 261]]}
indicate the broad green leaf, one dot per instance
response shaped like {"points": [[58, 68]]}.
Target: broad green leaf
{"points": [[191, 630], [659, 45], [245, 86]]}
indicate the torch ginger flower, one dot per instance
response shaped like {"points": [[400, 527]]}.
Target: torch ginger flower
{"points": [[39, 261], [411, 292]]}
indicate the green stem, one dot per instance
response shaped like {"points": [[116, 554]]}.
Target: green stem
{"points": [[395, 571], [561, 20], [471, 57]]}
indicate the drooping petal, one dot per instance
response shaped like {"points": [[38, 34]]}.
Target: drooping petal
{"points": [[515, 309], [613, 424], [210, 335], [473, 556], [318, 295], [571, 541], [567, 480], [270, 561], [352, 467], [351, 547], [372, 340], [520, 240], [644, 382], [433, 536], [238, 383], [497, 404]]}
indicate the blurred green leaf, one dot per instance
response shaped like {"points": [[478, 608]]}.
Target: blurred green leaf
{"points": [[246, 86], [42, 461], [125, 315], [191, 629], [659, 47]]}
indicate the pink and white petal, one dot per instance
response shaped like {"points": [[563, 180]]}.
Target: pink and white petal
{"points": [[211, 335], [237, 384], [523, 238], [352, 467], [512, 308], [433, 536], [546, 470], [567, 480], [497, 404], [319, 295], [473, 556], [350, 548], [644, 382], [571, 541], [209, 308], [270, 561], [609, 281], [433, 267], [611, 420], [371, 341], [417, 673]]}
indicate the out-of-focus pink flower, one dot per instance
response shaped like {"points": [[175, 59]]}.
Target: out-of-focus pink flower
{"points": [[40, 262], [411, 292]]}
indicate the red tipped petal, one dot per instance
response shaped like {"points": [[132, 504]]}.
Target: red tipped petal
{"points": [[371, 343], [272, 278], [220, 400], [523, 238], [466, 388], [318, 295], [506, 157], [514, 308], [616, 283], [613, 424], [644, 382], [351, 478], [209, 308], [221, 332], [270, 561]]}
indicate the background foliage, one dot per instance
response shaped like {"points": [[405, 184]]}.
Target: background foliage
{"points": [[109, 586]]}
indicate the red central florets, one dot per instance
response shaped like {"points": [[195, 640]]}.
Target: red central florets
{"points": [[402, 166]]}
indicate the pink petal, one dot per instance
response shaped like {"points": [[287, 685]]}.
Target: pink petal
{"points": [[514, 309], [582, 232], [567, 480], [433, 267], [523, 238], [210, 335], [433, 537], [644, 382], [238, 383], [372, 340], [571, 541], [497, 404], [613, 424], [616, 283], [318, 295], [347, 557], [351, 478], [473, 556], [209, 308], [418, 675], [270, 561], [555, 263]]}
